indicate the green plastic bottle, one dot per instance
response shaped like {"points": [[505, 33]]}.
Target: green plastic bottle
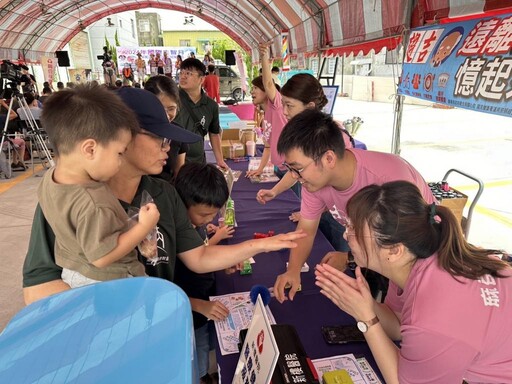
{"points": [[229, 215], [246, 267]]}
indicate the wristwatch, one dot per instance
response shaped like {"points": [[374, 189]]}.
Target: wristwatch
{"points": [[363, 326]]}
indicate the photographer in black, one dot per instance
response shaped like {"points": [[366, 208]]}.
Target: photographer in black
{"points": [[109, 67], [27, 80]]}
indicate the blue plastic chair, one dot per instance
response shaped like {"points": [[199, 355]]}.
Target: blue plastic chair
{"points": [[134, 330]]}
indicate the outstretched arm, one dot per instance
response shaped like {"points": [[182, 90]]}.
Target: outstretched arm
{"points": [[217, 150], [204, 259], [266, 73]]}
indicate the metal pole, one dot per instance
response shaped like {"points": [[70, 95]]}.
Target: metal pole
{"points": [[342, 73], [399, 99], [397, 124], [4, 131]]}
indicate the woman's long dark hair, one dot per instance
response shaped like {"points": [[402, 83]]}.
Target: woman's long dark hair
{"points": [[306, 88], [397, 213], [161, 84]]}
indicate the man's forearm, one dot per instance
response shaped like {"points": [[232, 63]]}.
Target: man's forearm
{"points": [[284, 184], [299, 255], [265, 157], [216, 146], [217, 257]]}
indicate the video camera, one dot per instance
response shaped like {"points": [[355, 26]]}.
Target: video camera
{"points": [[10, 71], [105, 57]]}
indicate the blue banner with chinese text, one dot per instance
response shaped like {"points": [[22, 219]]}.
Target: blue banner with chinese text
{"points": [[466, 65]]}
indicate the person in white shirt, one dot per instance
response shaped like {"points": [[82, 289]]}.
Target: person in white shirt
{"points": [[32, 105]]}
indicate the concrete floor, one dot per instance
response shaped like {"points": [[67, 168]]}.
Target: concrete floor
{"points": [[433, 140], [17, 203]]}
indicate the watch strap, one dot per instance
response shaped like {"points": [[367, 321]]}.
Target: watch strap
{"points": [[371, 322], [368, 323]]}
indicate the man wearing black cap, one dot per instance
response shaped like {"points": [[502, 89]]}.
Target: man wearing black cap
{"points": [[107, 113], [198, 113], [152, 116]]}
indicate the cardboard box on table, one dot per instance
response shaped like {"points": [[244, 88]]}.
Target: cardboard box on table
{"points": [[233, 142]]}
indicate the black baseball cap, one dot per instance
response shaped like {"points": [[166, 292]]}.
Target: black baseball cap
{"points": [[152, 116]]}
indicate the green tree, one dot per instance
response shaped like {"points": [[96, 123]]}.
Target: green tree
{"points": [[220, 47], [112, 48]]}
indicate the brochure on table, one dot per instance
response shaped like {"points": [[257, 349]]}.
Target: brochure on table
{"points": [[258, 357], [359, 369], [240, 314], [268, 175]]}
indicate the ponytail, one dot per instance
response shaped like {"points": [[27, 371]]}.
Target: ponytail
{"points": [[397, 213], [460, 258]]}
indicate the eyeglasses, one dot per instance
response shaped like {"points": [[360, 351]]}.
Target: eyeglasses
{"points": [[349, 228], [189, 73], [165, 143], [298, 172]]}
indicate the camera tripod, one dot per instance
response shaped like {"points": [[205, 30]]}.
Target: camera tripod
{"points": [[33, 130]]}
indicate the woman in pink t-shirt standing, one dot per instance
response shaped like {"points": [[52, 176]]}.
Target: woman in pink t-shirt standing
{"points": [[266, 95], [302, 91], [457, 298]]}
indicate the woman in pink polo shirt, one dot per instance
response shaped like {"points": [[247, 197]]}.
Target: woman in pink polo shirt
{"points": [[457, 298], [265, 94]]}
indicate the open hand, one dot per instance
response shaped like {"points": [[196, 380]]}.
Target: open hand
{"points": [[213, 310], [283, 240], [224, 232], [350, 295], [253, 173]]}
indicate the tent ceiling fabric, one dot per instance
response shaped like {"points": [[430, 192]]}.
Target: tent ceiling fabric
{"points": [[31, 29]]}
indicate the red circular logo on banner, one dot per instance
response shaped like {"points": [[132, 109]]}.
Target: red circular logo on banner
{"points": [[259, 340], [428, 82]]}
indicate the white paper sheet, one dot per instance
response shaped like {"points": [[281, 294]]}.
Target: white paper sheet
{"points": [[240, 315], [359, 369]]}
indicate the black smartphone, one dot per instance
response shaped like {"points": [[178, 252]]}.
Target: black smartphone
{"points": [[342, 334]]}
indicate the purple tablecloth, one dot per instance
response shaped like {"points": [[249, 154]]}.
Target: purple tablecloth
{"points": [[310, 310]]}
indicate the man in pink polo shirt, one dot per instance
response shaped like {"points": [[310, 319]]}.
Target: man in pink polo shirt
{"points": [[313, 147]]}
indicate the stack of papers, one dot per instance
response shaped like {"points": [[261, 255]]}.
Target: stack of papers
{"points": [[240, 315], [267, 176]]}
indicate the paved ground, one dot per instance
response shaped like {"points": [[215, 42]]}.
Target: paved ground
{"points": [[433, 140], [436, 140]]}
